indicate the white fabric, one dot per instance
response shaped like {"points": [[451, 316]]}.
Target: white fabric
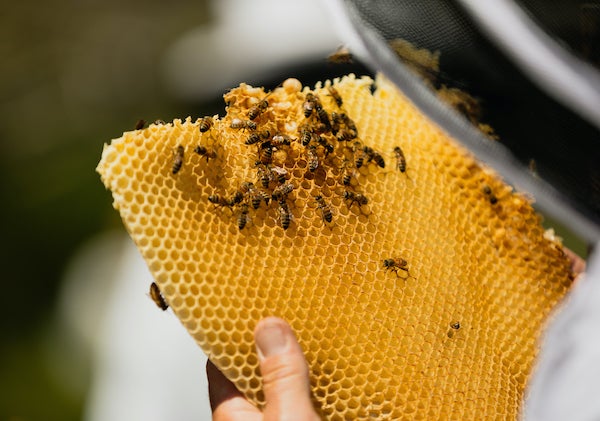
{"points": [[566, 383]]}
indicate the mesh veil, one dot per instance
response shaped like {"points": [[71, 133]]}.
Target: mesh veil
{"points": [[535, 126]]}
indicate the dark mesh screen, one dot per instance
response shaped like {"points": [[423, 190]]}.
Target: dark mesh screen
{"points": [[530, 124]]}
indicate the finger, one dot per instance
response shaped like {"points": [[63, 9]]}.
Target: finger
{"points": [[577, 263], [286, 384], [226, 402]]}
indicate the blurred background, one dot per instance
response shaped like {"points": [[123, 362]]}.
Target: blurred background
{"points": [[80, 338]]}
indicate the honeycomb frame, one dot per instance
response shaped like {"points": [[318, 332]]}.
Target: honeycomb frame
{"points": [[446, 328]]}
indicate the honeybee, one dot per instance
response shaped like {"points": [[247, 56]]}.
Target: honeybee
{"points": [[243, 217], [237, 123], [140, 124], [454, 326], [313, 158], [281, 192], [323, 117], [328, 147], [264, 174], [396, 264], [218, 200], [279, 173], [345, 135], [361, 157], [305, 136], [371, 155], [259, 196], [159, 122], [340, 56], [491, 196], [237, 197], [335, 95], [285, 215], [256, 196], [157, 297], [178, 159], [324, 207], [400, 159], [347, 177], [258, 109], [360, 199], [205, 124], [252, 139], [280, 140], [309, 104], [265, 154], [378, 159], [202, 151]]}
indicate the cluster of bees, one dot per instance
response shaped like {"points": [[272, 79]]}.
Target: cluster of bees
{"points": [[320, 135], [323, 139]]}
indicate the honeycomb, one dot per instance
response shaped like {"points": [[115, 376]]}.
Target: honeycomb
{"points": [[417, 282]]}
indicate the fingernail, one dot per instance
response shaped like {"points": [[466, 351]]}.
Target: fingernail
{"points": [[271, 340]]}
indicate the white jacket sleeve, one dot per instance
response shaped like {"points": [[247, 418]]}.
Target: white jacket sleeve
{"points": [[566, 381]]}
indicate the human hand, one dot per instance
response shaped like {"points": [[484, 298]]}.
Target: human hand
{"points": [[285, 380]]}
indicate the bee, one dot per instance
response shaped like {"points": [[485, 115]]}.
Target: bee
{"points": [[326, 145], [178, 159], [205, 124], [284, 214], [313, 158], [264, 174], [454, 326], [258, 109], [238, 196], [400, 159], [202, 151], [324, 207], [491, 196], [243, 217], [265, 155], [378, 159], [281, 192], [358, 198], [345, 135], [361, 157], [159, 122], [340, 56], [371, 155], [349, 123], [347, 178], [309, 104], [259, 196], [279, 174], [218, 200], [336, 122], [335, 95], [396, 264], [256, 196], [305, 136], [323, 117], [280, 140], [237, 123], [157, 297], [140, 124], [252, 139]]}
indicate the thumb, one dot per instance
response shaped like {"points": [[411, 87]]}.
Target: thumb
{"points": [[284, 372]]}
